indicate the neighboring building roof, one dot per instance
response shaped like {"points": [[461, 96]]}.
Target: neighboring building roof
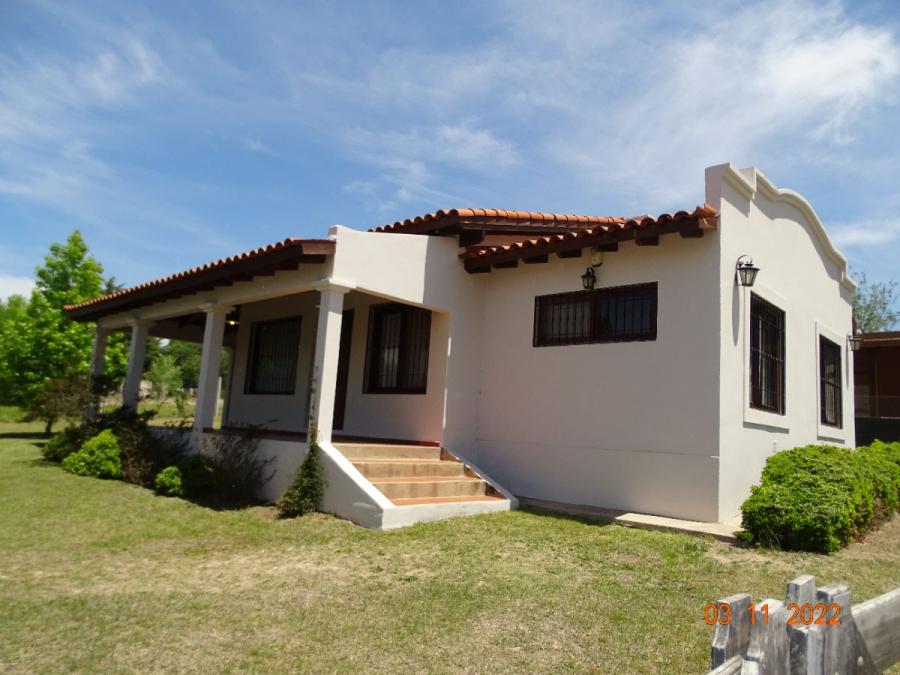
{"points": [[282, 255], [883, 339]]}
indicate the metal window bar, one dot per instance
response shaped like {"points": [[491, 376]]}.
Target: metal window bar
{"points": [[830, 396], [397, 359], [274, 347], [618, 314], [767, 362]]}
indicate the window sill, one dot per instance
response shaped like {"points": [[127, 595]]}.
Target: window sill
{"points": [[765, 418]]}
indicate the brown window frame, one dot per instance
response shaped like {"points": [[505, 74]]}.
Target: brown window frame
{"points": [[596, 305], [289, 382], [829, 348], [768, 362], [411, 347]]}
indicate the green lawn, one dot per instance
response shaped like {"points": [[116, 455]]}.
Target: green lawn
{"points": [[103, 576]]}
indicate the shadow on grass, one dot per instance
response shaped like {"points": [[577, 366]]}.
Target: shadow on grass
{"points": [[26, 435], [597, 520]]}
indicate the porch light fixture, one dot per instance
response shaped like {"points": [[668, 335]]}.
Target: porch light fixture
{"points": [[588, 279], [855, 342], [746, 271]]}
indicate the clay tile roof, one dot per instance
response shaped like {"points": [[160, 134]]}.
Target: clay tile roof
{"points": [[441, 218], [600, 229], [280, 255]]}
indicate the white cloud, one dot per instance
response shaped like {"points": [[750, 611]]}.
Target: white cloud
{"points": [[11, 284], [866, 234], [255, 145]]}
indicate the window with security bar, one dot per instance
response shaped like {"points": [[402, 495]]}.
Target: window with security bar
{"points": [[274, 347], [616, 314], [767, 362], [830, 401], [397, 350]]}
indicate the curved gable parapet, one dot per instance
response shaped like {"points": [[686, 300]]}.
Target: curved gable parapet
{"points": [[751, 180]]}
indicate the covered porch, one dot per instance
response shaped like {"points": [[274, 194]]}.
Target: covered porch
{"points": [[364, 371]]}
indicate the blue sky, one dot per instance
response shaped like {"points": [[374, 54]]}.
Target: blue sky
{"points": [[175, 133]]}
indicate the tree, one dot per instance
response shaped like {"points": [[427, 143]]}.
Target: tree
{"points": [[874, 305], [59, 398], [164, 376], [12, 312], [38, 342]]}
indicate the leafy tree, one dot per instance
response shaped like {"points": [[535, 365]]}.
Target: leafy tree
{"points": [[38, 342], [12, 312], [874, 305], [62, 397], [164, 376]]}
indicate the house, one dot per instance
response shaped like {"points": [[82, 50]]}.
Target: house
{"points": [[876, 373], [453, 362]]}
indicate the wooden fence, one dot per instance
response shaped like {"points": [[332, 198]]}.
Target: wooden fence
{"points": [[813, 632]]}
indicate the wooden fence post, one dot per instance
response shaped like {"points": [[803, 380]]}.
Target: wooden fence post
{"points": [[769, 651], [732, 638]]}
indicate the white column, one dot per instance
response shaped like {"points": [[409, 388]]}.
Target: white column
{"points": [[131, 390], [328, 347], [210, 357], [98, 366]]}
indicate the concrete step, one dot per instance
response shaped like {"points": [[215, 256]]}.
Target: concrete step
{"points": [[374, 469], [430, 486], [360, 451], [414, 501]]}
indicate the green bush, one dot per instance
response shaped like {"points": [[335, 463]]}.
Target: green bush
{"points": [[65, 443], [99, 457], [169, 482], [819, 498], [881, 461], [304, 494], [198, 475]]}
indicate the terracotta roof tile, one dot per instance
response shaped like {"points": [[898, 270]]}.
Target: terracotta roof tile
{"points": [[434, 220], [305, 246], [606, 226]]}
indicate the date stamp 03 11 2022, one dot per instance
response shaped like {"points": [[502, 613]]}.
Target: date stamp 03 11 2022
{"points": [[805, 614]]}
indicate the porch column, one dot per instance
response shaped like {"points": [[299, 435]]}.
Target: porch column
{"points": [[131, 389], [328, 347], [98, 366], [210, 357]]}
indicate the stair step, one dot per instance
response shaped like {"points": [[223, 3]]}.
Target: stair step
{"points": [[430, 486], [399, 468], [361, 451], [413, 501]]}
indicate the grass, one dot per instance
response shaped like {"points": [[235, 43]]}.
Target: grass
{"points": [[103, 576]]}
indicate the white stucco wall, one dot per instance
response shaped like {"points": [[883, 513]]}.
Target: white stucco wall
{"points": [[803, 275], [630, 425], [426, 271]]}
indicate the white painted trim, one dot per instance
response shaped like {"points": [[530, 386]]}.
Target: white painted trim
{"points": [[751, 180], [755, 415], [826, 432]]}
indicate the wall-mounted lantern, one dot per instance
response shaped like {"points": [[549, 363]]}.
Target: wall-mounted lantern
{"points": [[855, 342], [746, 271], [589, 279]]}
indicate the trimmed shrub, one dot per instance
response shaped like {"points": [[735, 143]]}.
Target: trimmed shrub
{"points": [[198, 475], [169, 482], [819, 498], [99, 457], [881, 462], [304, 494]]}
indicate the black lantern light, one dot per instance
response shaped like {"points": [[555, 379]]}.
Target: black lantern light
{"points": [[746, 271], [588, 279], [855, 342]]}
